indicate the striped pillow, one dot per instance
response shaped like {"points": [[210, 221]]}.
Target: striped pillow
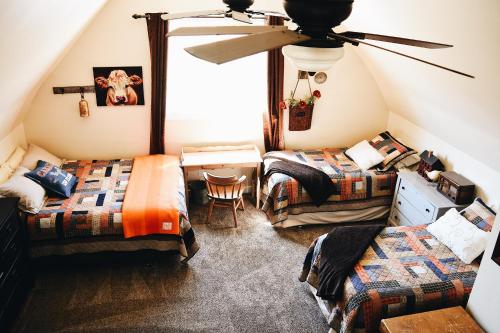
{"points": [[392, 150], [479, 214]]}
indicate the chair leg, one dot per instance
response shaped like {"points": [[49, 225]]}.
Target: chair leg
{"points": [[210, 209], [242, 203], [234, 214]]}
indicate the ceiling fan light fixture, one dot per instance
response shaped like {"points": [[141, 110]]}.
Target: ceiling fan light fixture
{"points": [[312, 59]]}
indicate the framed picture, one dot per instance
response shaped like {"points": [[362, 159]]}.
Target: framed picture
{"points": [[117, 86]]}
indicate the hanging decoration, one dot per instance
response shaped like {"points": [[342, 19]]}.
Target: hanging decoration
{"points": [[300, 110], [83, 105]]}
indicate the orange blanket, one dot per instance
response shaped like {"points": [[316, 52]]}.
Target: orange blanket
{"points": [[151, 204]]}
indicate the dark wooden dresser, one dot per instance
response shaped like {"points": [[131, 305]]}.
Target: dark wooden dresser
{"points": [[16, 276]]}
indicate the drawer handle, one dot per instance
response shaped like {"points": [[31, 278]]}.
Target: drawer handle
{"points": [[399, 203], [404, 188], [395, 217], [427, 210]]}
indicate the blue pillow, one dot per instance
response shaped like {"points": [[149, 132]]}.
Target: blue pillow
{"points": [[52, 178]]}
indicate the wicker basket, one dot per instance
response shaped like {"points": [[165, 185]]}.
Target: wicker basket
{"points": [[300, 118]]}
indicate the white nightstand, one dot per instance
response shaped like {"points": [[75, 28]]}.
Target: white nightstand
{"points": [[417, 201]]}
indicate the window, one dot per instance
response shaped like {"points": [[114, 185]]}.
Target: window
{"points": [[235, 92]]}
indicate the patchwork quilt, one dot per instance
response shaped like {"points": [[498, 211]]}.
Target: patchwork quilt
{"points": [[95, 208], [355, 188], [405, 270]]}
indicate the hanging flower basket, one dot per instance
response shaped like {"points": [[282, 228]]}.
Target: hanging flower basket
{"points": [[301, 110], [300, 117]]}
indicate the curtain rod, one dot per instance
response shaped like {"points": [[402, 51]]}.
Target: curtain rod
{"points": [[258, 17]]}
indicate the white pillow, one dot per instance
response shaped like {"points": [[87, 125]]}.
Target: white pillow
{"points": [[32, 196], [5, 173], [364, 155], [35, 154], [15, 158], [459, 235]]}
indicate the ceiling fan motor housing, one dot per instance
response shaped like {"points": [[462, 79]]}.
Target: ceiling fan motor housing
{"points": [[238, 5], [316, 18]]}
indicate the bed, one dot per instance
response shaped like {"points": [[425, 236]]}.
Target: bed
{"points": [[359, 195], [404, 270], [90, 220]]}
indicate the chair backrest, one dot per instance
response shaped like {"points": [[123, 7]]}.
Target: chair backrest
{"points": [[224, 187]]}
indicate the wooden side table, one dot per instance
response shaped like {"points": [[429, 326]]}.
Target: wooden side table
{"points": [[449, 320]]}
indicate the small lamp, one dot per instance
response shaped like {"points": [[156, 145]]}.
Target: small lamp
{"points": [[83, 105]]}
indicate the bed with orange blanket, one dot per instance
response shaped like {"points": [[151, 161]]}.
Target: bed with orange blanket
{"points": [[117, 205]]}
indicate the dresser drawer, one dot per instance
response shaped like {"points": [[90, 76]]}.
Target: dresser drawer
{"points": [[412, 195], [11, 252], [8, 230], [14, 276], [399, 219], [411, 212]]}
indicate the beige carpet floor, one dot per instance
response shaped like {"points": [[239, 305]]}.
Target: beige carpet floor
{"points": [[241, 280]]}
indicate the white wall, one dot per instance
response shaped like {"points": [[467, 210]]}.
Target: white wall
{"points": [[484, 301], [34, 35], [9, 143], [486, 178], [114, 39]]}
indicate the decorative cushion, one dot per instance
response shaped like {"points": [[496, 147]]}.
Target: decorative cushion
{"points": [[32, 196], [36, 154], [409, 162], [364, 155], [52, 178], [479, 214], [392, 150], [15, 158], [460, 236]]}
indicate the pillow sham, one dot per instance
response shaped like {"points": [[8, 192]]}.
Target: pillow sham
{"points": [[364, 155], [392, 150], [479, 214], [35, 154], [52, 178], [465, 240], [409, 162], [15, 158], [32, 196]]}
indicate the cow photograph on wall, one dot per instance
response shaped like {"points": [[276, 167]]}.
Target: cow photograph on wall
{"points": [[117, 86]]}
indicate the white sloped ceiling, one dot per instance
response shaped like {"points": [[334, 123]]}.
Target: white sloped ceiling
{"points": [[34, 35], [461, 111]]}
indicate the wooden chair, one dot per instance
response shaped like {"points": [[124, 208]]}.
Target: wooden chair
{"points": [[225, 192]]}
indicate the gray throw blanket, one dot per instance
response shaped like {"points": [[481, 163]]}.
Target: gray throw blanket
{"points": [[317, 183], [340, 251]]}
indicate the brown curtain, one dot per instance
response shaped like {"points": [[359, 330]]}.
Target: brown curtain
{"points": [[158, 46], [273, 119]]}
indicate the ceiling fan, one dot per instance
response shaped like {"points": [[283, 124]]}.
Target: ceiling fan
{"points": [[314, 46], [237, 9]]}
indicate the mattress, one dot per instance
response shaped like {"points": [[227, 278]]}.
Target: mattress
{"points": [[405, 270], [355, 189], [91, 220]]}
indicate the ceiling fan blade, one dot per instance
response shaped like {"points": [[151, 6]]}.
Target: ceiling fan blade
{"points": [[242, 17], [225, 30], [231, 49], [356, 42], [396, 40], [174, 16]]}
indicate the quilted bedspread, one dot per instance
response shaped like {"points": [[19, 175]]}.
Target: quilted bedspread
{"points": [[405, 270], [95, 207], [355, 188]]}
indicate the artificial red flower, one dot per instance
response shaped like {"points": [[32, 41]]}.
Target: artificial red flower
{"points": [[282, 105], [317, 93], [302, 104]]}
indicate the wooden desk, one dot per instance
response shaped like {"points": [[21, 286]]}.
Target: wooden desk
{"points": [[220, 157], [450, 320]]}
